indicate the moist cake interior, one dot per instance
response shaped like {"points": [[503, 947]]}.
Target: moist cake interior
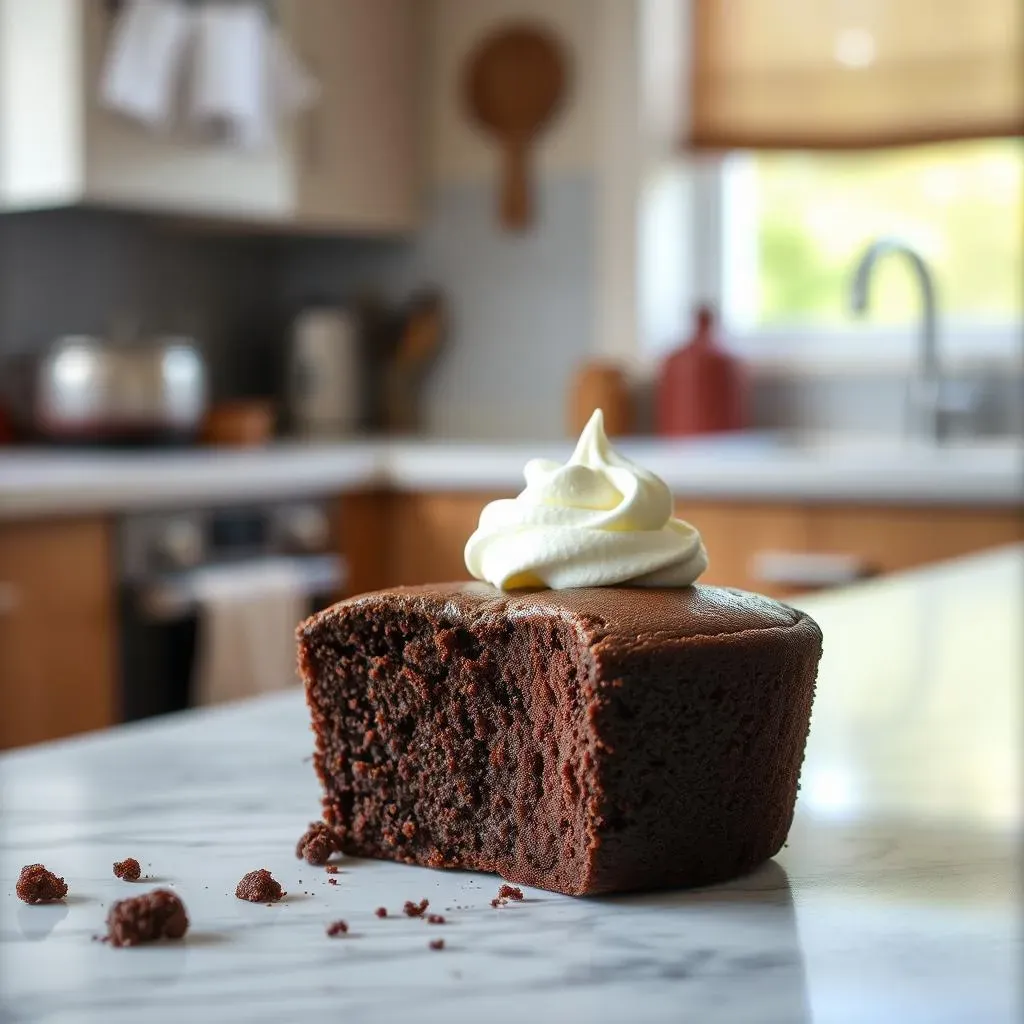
{"points": [[456, 744]]}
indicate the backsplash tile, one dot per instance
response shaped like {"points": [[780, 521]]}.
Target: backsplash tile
{"points": [[522, 306], [77, 270]]}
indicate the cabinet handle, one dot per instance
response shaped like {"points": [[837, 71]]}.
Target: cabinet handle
{"points": [[8, 598], [807, 569]]}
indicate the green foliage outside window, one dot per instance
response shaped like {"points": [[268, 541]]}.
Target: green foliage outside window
{"points": [[961, 205]]}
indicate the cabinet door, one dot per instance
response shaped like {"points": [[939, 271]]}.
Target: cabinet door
{"points": [[357, 151], [428, 534], [890, 539], [57, 630], [739, 537], [128, 165]]}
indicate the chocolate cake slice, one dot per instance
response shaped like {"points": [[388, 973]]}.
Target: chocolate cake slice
{"points": [[587, 740]]}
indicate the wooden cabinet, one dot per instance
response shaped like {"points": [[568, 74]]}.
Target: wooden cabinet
{"points": [[356, 153], [57, 630], [405, 539], [348, 164], [782, 549], [428, 534], [774, 548]]}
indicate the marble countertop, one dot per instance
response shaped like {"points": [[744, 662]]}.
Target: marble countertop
{"points": [[895, 898], [754, 466]]}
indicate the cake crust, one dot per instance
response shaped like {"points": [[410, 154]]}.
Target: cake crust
{"points": [[589, 740]]}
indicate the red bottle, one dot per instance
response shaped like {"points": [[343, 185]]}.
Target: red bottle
{"points": [[701, 388]]}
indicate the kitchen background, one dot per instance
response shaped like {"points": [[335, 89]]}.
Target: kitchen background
{"points": [[264, 344]]}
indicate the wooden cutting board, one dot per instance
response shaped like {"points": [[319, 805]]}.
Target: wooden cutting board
{"points": [[514, 84]]}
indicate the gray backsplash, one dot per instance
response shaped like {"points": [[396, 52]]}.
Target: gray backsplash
{"points": [[522, 307], [78, 270]]}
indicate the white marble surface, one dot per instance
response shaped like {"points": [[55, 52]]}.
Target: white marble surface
{"points": [[755, 465], [894, 900]]}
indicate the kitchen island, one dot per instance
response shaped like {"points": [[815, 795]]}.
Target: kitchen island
{"points": [[894, 900]]}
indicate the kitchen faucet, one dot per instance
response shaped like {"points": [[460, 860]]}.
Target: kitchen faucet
{"points": [[933, 401]]}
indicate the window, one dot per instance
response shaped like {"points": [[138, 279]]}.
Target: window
{"points": [[793, 226], [772, 237]]}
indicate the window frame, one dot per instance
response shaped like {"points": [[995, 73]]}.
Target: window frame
{"points": [[730, 259]]}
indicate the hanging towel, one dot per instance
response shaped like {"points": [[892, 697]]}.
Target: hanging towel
{"points": [[146, 59], [247, 618], [230, 81]]}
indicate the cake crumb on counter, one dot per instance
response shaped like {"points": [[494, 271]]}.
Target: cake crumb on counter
{"points": [[128, 869], [36, 884], [259, 886]]}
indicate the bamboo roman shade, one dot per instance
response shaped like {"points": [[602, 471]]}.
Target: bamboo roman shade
{"points": [[829, 74]]}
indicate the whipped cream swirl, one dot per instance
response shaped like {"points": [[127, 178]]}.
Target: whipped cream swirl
{"points": [[597, 521]]}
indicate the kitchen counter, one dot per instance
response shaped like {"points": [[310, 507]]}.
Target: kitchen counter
{"points": [[755, 466], [895, 899]]}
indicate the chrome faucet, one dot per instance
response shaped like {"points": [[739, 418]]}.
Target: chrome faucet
{"points": [[933, 401]]}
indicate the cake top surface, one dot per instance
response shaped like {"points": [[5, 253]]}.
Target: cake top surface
{"points": [[631, 613]]}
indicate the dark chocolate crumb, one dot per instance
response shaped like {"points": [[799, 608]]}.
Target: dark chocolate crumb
{"points": [[156, 915], [128, 869], [381, 911], [510, 892], [332, 881], [496, 902], [436, 943], [415, 909], [435, 919], [259, 887], [37, 885], [337, 928], [317, 844]]}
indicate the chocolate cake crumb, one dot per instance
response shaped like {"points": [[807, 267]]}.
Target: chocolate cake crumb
{"points": [[259, 887], [332, 869], [317, 844], [37, 885], [337, 928], [381, 911], [129, 869], [436, 943], [156, 915], [332, 881], [510, 892], [435, 919], [415, 909]]}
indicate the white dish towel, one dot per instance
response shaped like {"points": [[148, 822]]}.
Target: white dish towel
{"points": [[145, 60], [230, 97], [247, 618], [227, 61]]}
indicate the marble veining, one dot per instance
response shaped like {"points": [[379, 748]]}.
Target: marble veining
{"points": [[894, 900]]}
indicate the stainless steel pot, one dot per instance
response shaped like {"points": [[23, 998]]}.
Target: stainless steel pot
{"points": [[89, 389]]}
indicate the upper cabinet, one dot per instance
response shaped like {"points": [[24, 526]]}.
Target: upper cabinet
{"points": [[349, 163]]}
